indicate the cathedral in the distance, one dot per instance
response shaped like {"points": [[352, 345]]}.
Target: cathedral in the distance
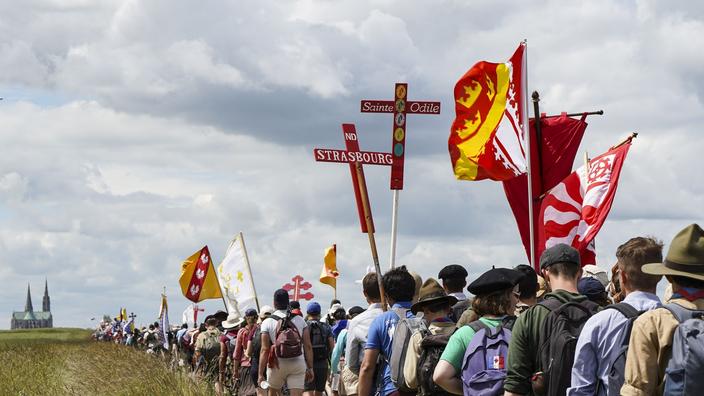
{"points": [[31, 319]]}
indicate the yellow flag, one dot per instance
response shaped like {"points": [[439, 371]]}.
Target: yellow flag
{"points": [[123, 314], [198, 278], [329, 273]]}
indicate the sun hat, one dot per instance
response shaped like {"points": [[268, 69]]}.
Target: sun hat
{"points": [[233, 320], [431, 292], [685, 257]]}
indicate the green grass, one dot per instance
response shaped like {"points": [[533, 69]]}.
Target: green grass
{"points": [[68, 362]]}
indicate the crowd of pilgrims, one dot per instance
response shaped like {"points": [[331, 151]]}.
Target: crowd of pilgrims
{"points": [[565, 329]]}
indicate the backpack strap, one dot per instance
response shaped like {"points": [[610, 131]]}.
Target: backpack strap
{"points": [[683, 314], [478, 325], [508, 321], [551, 304], [625, 309]]}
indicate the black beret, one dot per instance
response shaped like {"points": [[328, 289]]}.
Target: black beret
{"points": [[453, 271], [494, 280], [559, 253]]}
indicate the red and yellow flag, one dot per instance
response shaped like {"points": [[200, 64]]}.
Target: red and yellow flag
{"points": [[329, 273], [487, 140], [198, 279]]}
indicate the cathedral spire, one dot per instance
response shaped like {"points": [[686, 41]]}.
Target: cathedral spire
{"points": [[46, 303], [28, 304]]}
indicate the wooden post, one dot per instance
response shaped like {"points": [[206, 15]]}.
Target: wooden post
{"points": [[372, 241]]}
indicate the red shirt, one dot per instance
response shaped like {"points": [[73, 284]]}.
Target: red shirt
{"points": [[243, 337]]}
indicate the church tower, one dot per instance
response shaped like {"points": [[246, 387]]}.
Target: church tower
{"points": [[28, 304], [46, 303]]}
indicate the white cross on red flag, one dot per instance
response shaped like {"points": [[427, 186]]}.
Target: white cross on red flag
{"points": [[574, 210]]}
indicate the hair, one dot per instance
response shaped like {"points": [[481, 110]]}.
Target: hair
{"points": [[151, 327], [334, 301], [564, 269], [684, 281], [370, 285], [184, 326], [399, 284], [438, 306], [631, 257], [212, 322], [495, 303], [281, 299], [528, 286], [339, 314], [201, 328], [156, 324], [294, 305], [454, 285]]}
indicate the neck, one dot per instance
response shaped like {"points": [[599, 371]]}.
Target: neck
{"points": [[431, 316], [568, 285], [627, 290]]}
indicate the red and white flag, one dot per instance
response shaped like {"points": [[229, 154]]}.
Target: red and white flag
{"points": [[574, 210]]}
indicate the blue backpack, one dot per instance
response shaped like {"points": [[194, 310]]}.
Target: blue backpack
{"points": [[484, 363], [683, 375]]}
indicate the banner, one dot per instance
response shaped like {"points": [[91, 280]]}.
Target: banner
{"points": [[236, 279], [164, 321], [329, 273], [198, 280], [574, 211]]}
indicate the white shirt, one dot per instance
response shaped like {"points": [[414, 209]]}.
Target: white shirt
{"points": [[269, 326], [459, 296]]}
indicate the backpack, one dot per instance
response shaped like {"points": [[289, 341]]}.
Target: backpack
{"points": [[431, 347], [256, 343], [319, 341], [484, 363], [356, 355], [288, 342], [211, 346], [683, 375], [458, 309], [558, 341], [405, 328], [617, 368]]}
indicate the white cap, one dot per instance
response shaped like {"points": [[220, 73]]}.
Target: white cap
{"points": [[266, 310], [592, 271]]}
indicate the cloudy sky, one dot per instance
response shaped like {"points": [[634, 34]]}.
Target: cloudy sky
{"points": [[135, 132]]}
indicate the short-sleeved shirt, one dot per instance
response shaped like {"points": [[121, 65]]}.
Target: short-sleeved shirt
{"points": [[200, 341], [269, 326], [458, 343], [380, 337]]}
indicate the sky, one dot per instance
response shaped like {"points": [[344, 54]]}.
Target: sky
{"points": [[135, 132]]}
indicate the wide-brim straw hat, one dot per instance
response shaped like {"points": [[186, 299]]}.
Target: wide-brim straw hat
{"points": [[685, 257], [431, 292], [233, 320]]}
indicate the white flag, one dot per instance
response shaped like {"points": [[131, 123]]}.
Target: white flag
{"points": [[164, 316], [236, 279], [188, 316]]}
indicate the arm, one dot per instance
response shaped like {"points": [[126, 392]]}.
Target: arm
{"points": [[308, 352], [222, 361], [264, 355], [642, 371], [585, 378], [237, 355], [336, 353], [520, 359], [445, 375], [366, 372], [410, 366]]}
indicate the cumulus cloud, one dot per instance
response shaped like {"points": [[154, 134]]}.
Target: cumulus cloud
{"points": [[136, 132]]}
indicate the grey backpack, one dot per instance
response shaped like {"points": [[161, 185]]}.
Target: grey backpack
{"points": [[405, 328], [683, 375]]}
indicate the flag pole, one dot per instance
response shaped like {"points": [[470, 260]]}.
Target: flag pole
{"points": [[249, 269], [394, 225], [217, 279], [526, 133], [372, 241]]}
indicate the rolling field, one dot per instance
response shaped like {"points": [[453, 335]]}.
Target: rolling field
{"points": [[68, 362]]}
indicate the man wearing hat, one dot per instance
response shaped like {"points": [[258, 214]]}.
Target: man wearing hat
{"points": [[454, 279], [435, 304], [228, 341], [651, 344], [560, 266]]}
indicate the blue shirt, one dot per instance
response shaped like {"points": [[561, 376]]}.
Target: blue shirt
{"points": [[599, 344], [338, 351], [380, 337]]}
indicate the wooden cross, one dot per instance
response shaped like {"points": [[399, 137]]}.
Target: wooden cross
{"points": [[351, 156], [196, 309], [132, 316]]}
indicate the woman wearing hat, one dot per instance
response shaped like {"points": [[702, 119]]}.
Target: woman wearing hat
{"points": [[496, 294]]}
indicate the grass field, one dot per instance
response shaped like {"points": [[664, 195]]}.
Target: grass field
{"points": [[68, 362]]}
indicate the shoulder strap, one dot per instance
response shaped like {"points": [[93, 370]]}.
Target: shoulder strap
{"points": [[551, 304], [508, 321], [478, 325], [401, 312], [625, 309], [679, 312]]}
